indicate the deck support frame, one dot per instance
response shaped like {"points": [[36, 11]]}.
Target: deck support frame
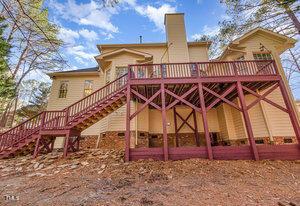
{"points": [[237, 86]]}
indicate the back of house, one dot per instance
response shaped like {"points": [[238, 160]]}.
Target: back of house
{"points": [[225, 123], [169, 101]]}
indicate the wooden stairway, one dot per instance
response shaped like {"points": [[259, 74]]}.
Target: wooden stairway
{"points": [[77, 116]]}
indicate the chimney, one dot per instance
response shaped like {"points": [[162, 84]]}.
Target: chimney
{"points": [[176, 38], [141, 39]]}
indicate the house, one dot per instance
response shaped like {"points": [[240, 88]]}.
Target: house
{"points": [[169, 101]]}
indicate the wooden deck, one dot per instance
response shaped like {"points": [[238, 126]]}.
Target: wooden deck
{"points": [[270, 152], [203, 86]]}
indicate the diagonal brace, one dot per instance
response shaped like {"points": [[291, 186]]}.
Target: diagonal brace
{"points": [[223, 95], [145, 99], [182, 100], [145, 104], [182, 97], [185, 121], [263, 97], [222, 98]]}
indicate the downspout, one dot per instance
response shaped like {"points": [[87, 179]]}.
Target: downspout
{"points": [[266, 119], [136, 126]]}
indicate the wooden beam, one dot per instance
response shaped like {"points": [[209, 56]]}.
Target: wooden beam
{"points": [[205, 124], [182, 100], [222, 98], [164, 121], [247, 121]]}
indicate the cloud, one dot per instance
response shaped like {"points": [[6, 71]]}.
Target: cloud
{"points": [[68, 35], [154, 14], [89, 35], [109, 36], [91, 13], [80, 55], [208, 31], [211, 31]]}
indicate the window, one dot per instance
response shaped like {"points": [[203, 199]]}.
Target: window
{"points": [[259, 141], [88, 87], [262, 56], [121, 71], [287, 140], [154, 136], [63, 89], [108, 75], [241, 58], [121, 134], [262, 66]]}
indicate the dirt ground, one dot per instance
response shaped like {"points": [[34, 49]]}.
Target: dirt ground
{"points": [[100, 177]]}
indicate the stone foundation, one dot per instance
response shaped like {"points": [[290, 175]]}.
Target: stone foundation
{"points": [[185, 140], [285, 140], [116, 140], [263, 140], [88, 142]]}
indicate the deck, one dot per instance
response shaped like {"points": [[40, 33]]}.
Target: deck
{"points": [[203, 86]]}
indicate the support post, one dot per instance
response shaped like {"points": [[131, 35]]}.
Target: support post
{"points": [[127, 132], [66, 146], [205, 124], [196, 129], [290, 109], [176, 127], [37, 146], [77, 143], [52, 144], [164, 121], [247, 120]]}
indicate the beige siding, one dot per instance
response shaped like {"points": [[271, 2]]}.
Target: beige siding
{"points": [[198, 54], [143, 119], [176, 38], [222, 122], [271, 121], [238, 122], [279, 120], [256, 117], [155, 120], [116, 120], [75, 93]]}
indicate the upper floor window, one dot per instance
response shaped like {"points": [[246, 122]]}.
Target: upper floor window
{"points": [[88, 87], [63, 89], [262, 56], [241, 58], [121, 71], [108, 76]]}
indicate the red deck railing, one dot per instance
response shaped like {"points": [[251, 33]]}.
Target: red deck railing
{"points": [[59, 119], [203, 69]]}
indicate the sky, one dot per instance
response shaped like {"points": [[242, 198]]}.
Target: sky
{"points": [[85, 23]]}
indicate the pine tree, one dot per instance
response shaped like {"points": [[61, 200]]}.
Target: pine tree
{"points": [[37, 103], [7, 86]]}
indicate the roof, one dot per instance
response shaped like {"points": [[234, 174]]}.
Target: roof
{"points": [[287, 40], [156, 44], [90, 70]]}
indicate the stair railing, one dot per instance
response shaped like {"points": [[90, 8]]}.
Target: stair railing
{"points": [[97, 97], [14, 135], [59, 119]]}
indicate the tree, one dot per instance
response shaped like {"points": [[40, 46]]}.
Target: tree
{"points": [[276, 15], [34, 44], [7, 86], [37, 103]]}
